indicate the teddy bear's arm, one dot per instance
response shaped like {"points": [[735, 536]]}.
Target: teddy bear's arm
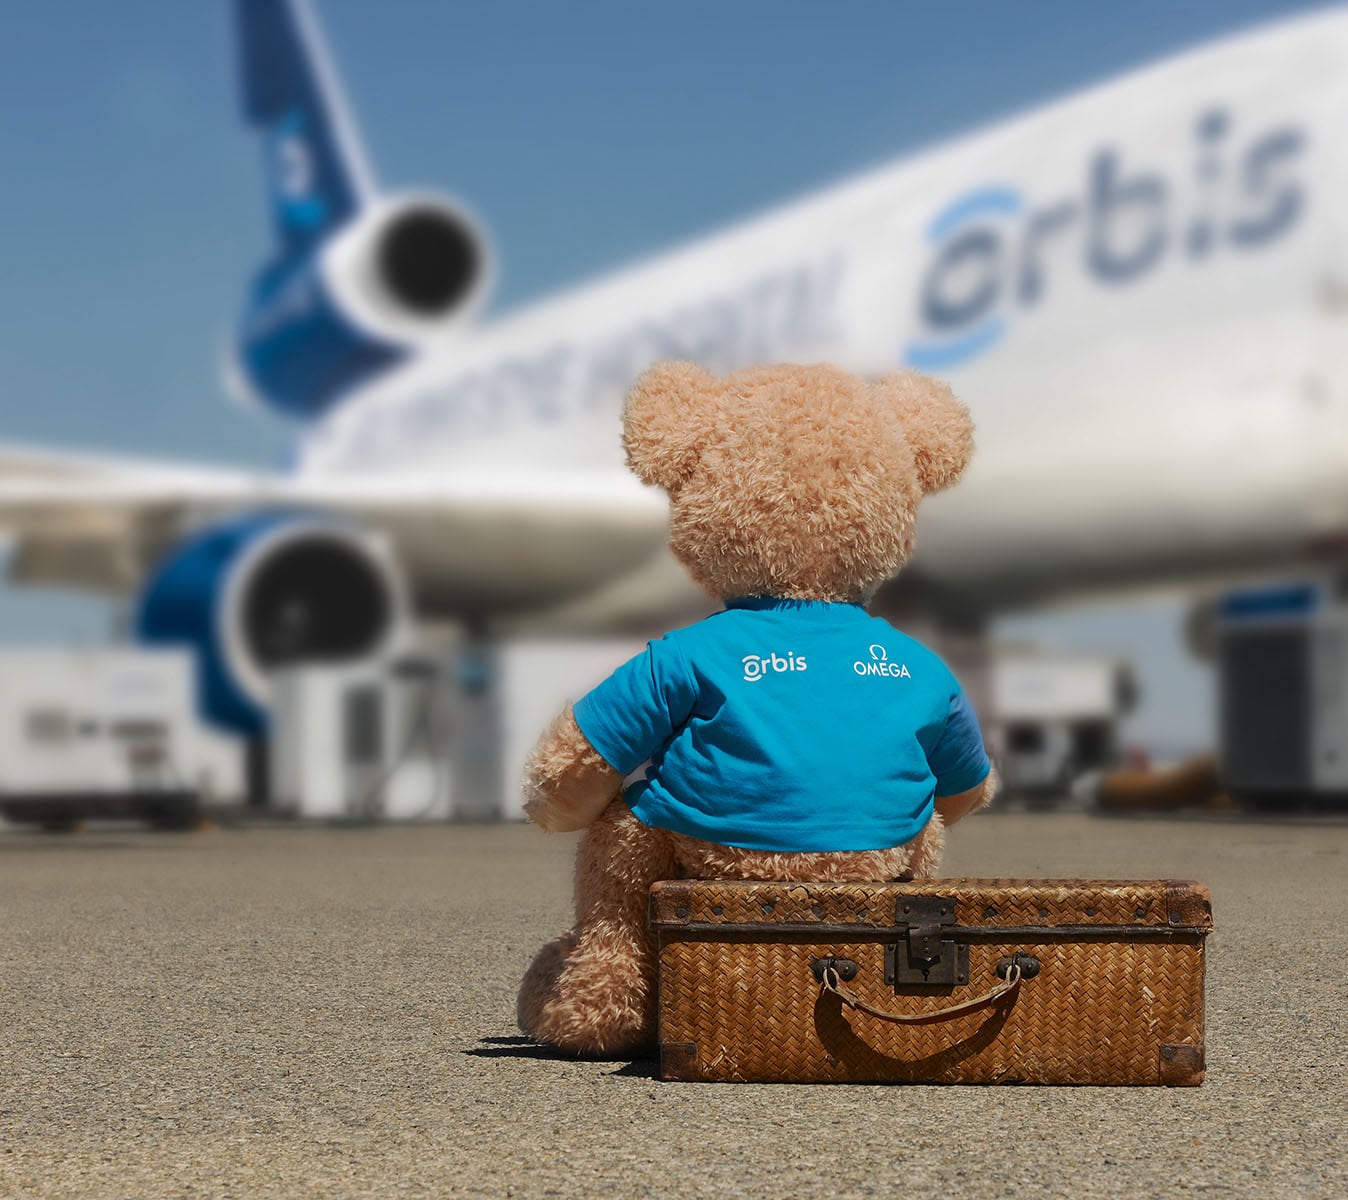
{"points": [[961, 804], [567, 783]]}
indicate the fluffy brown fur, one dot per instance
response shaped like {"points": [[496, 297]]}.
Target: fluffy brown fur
{"points": [[592, 989], [799, 482], [796, 482], [566, 781]]}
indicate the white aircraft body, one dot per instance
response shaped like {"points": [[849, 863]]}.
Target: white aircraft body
{"points": [[1141, 291]]}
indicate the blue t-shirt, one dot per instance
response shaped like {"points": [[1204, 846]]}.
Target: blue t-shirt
{"points": [[787, 725]]}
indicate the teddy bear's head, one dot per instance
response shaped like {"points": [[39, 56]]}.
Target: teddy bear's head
{"points": [[800, 482]]}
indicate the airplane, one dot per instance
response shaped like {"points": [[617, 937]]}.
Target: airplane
{"points": [[1140, 290]]}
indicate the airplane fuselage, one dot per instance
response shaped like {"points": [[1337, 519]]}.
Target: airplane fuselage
{"points": [[1141, 292]]}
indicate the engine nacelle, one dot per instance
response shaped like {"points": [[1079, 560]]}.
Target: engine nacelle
{"points": [[405, 273], [266, 591]]}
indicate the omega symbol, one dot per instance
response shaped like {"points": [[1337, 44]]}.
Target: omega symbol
{"points": [[880, 664]]}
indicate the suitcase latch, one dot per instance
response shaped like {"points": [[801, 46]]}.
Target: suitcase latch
{"points": [[924, 957]]}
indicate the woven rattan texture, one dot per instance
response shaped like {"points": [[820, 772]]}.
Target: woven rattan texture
{"points": [[1113, 1007], [979, 902], [1098, 1012]]}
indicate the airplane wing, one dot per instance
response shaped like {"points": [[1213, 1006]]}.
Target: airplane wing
{"points": [[62, 527], [99, 524], [38, 462]]}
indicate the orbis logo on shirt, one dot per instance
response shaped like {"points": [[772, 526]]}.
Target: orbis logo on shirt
{"points": [[757, 665], [880, 665]]}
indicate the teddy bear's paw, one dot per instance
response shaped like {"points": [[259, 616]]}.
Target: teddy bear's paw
{"points": [[591, 999]]}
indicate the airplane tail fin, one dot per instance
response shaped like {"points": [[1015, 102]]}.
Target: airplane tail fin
{"points": [[316, 170]]}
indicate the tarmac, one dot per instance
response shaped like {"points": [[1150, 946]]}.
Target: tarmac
{"points": [[271, 1010]]}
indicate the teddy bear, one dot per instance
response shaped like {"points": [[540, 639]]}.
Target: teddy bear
{"points": [[790, 736]]}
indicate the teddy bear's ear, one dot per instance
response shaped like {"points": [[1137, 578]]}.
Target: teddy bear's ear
{"points": [[666, 419], [937, 425]]}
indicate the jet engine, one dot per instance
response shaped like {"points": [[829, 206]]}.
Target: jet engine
{"points": [[406, 272], [265, 591]]}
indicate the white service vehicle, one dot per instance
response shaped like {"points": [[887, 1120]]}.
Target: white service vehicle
{"points": [[1054, 717], [100, 732]]}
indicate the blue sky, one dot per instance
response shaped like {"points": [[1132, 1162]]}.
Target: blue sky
{"points": [[585, 135]]}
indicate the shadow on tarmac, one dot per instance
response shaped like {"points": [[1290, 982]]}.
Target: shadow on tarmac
{"points": [[520, 1047], [526, 1047]]}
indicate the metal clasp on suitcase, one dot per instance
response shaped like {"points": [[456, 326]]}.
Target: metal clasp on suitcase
{"points": [[924, 958]]}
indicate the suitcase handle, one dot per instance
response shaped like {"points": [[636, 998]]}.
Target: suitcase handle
{"points": [[830, 981]]}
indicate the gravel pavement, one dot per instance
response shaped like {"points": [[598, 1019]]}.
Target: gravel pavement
{"points": [[280, 1011]]}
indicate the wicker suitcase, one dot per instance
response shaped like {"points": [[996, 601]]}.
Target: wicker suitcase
{"points": [[943, 981]]}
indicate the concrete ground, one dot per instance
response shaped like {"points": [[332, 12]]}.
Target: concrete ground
{"points": [[279, 1011]]}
